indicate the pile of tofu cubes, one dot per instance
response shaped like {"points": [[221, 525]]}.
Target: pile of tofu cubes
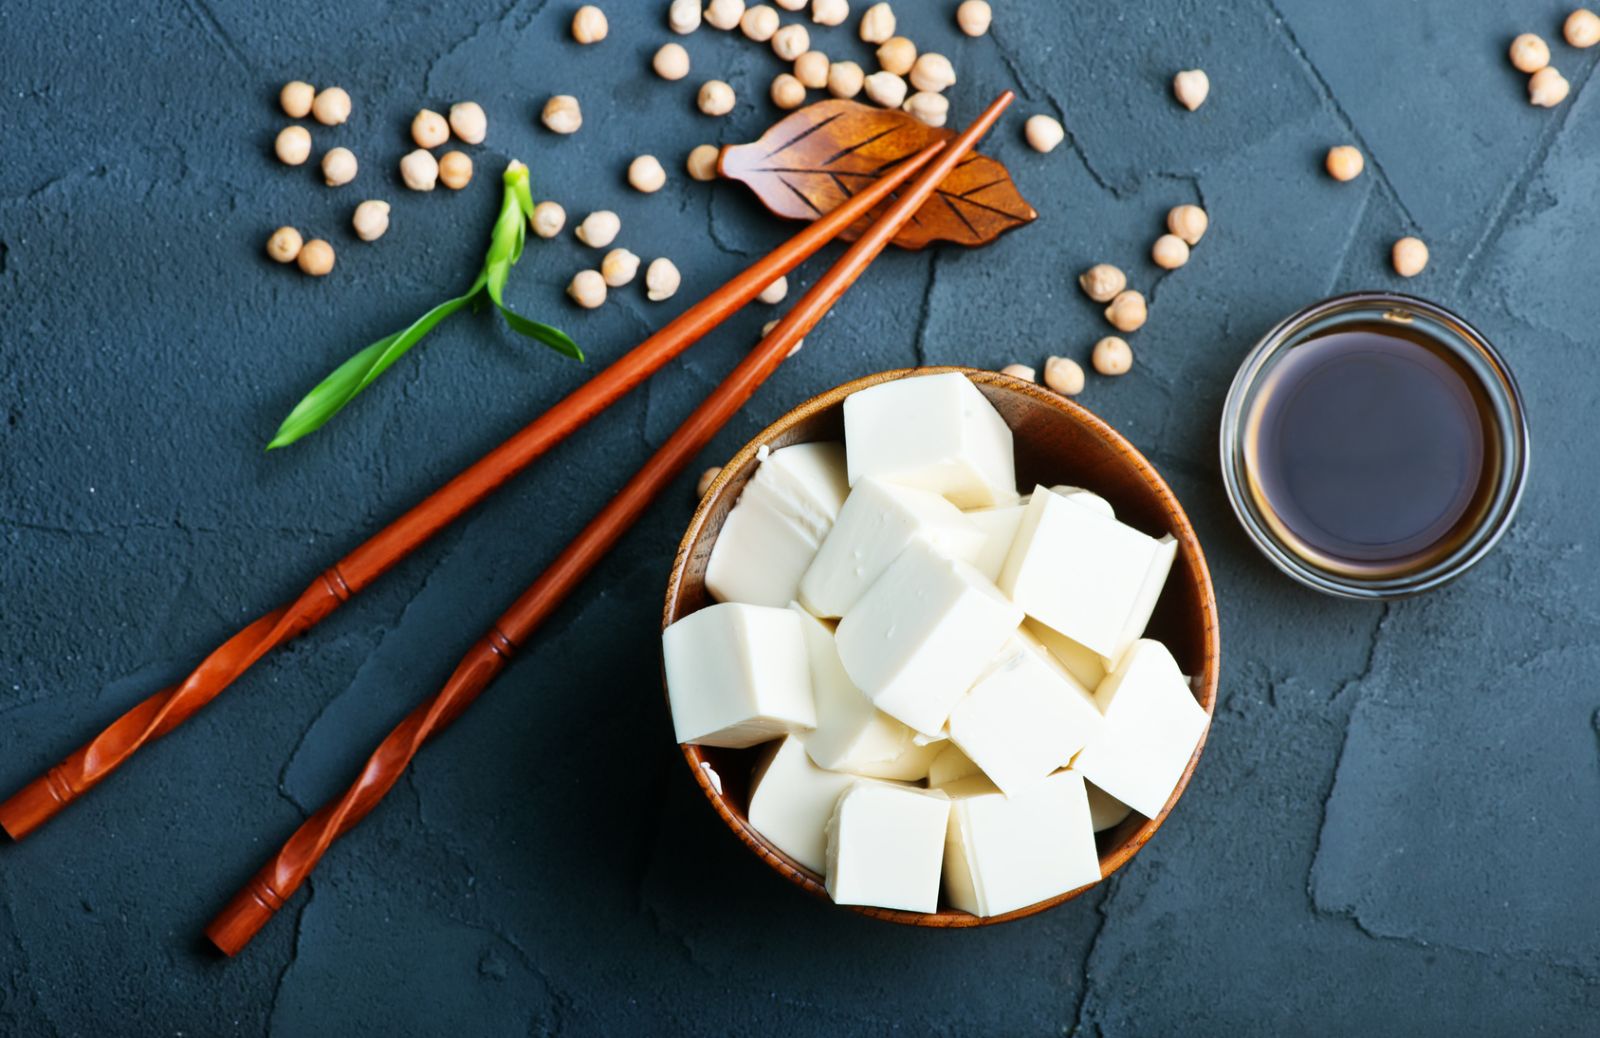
{"points": [[951, 675]]}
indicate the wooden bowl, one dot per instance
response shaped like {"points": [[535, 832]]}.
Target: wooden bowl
{"points": [[1056, 442]]}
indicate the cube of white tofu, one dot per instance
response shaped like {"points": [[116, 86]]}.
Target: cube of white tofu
{"points": [[1149, 593], [851, 734], [1152, 725], [806, 482], [1084, 665], [876, 523], [1004, 853], [1105, 810], [935, 432], [886, 845], [791, 800], [1078, 572], [1025, 717], [737, 675], [922, 634], [999, 528], [950, 766], [1089, 499]]}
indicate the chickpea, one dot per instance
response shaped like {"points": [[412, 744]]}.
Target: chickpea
{"points": [[1063, 375], [1547, 87], [548, 218], [455, 170], [284, 245], [1409, 256], [702, 162], [932, 72], [1188, 222], [1021, 371], [671, 61], [1169, 252], [429, 129], [468, 122], [371, 219], [1191, 87], [973, 17], [897, 55], [1582, 29], [561, 114], [619, 267], [293, 145], [587, 289], [599, 229], [792, 5], [1044, 132], [338, 167], [1344, 162], [331, 106], [1102, 282], [716, 97], [877, 23], [296, 98], [830, 12], [774, 293], [787, 91], [315, 258], [1127, 312], [708, 477], [791, 41], [645, 174], [419, 170], [928, 108], [811, 69], [845, 79], [661, 280], [1112, 356], [683, 17], [886, 89], [589, 24], [766, 330], [1529, 53], [724, 14], [759, 23]]}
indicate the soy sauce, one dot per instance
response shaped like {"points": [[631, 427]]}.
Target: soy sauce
{"points": [[1372, 449]]}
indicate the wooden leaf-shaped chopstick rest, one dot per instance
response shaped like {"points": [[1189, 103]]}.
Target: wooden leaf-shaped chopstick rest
{"points": [[811, 161]]}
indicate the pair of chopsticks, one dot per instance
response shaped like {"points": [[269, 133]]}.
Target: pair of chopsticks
{"points": [[277, 881]]}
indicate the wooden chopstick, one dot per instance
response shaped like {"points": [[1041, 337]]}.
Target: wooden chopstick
{"points": [[256, 903], [44, 797]]}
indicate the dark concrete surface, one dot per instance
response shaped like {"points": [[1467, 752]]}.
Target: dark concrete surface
{"points": [[1393, 829]]}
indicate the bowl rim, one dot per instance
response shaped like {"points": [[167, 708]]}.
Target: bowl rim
{"points": [[1203, 685]]}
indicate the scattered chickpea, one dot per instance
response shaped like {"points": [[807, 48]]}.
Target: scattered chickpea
{"points": [[1169, 252], [877, 23], [830, 12], [371, 219], [619, 267], [1582, 28], [886, 89], [315, 257], [766, 330], [1043, 132], [811, 69], [296, 98], [1190, 87], [897, 55], [587, 289], [1529, 53], [845, 79], [683, 17], [787, 91], [1021, 371], [338, 167], [589, 24], [1547, 87], [791, 41], [293, 145], [932, 72], [716, 97], [928, 108], [1102, 282], [1127, 312], [468, 122], [973, 17], [429, 129], [671, 61], [284, 245], [661, 279], [455, 170], [599, 229], [759, 23], [775, 292], [1345, 162], [702, 162], [792, 5], [331, 106], [724, 14], [645, 174], [708, 477], [1063, 375], [548, 218], [561, 114], [1112, 356], [1409, 256], [1188, 222], [419, 170]]}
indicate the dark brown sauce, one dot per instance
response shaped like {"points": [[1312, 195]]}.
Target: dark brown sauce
{"points": [[1372, 449]]}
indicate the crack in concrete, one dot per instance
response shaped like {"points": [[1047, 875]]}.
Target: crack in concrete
{"points": [[1352, 237], [919, 341], [219, 34], [121, 529], [1084, 978], [281, 983], [478, 29]]}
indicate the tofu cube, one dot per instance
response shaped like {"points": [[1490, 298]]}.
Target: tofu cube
{"points": [[1087, 498], [791, 800], [1024, 718], [876, 523], [1082, 664], [737, 675], [885, 846], [999, 528], [807, 482], [951, 765], [922, 634], [934, 432], [852, 734], [1149, 593], [1004, 853], [1152, 725]]}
